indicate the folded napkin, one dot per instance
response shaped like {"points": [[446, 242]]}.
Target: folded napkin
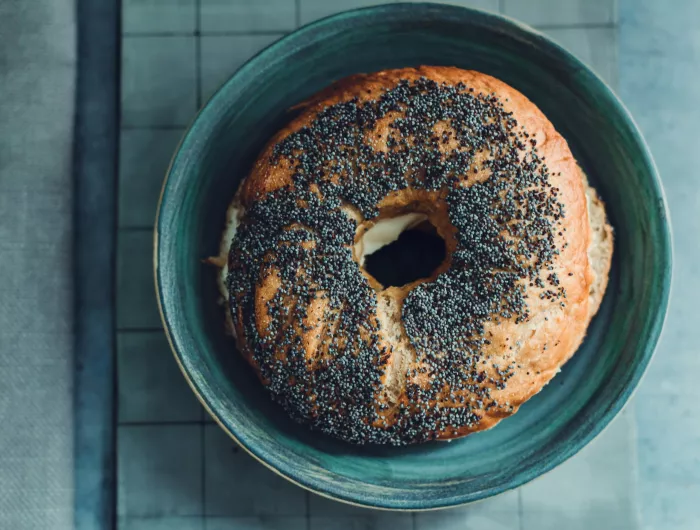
{"points": [[37, 81]]}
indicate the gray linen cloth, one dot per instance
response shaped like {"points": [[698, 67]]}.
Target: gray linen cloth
{"points": [[37, 85]]}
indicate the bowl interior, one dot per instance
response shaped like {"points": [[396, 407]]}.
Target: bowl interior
{"points": [[217, 153]]}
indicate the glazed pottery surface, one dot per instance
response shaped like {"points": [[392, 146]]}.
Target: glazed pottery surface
{"points": [[225, 138]]}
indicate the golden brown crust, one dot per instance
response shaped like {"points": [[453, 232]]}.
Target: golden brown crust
{"points": [[538, 346]]}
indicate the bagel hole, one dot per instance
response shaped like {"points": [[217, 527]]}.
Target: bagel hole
{"points": [[414, 255]]}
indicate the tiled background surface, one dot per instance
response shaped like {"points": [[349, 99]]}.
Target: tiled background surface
{"points": [[660, 75], [177, 470]]}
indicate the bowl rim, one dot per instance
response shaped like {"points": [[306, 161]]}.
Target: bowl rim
{"points": [[188, 143]]}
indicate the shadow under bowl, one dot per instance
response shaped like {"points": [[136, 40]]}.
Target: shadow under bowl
{"points": [[218, 151]]}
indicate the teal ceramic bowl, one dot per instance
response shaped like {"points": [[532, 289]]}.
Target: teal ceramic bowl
{"points": [[217, 152]]}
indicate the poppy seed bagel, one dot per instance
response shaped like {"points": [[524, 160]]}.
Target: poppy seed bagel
{"points": [[528, 251]]}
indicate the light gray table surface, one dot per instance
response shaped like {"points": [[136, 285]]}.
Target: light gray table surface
{"points": [[178, 470], [659, 81]]}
